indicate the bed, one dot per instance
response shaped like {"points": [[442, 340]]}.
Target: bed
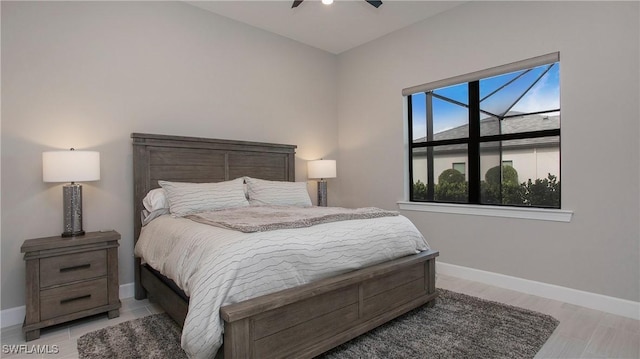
{"points": [[303, 321]]}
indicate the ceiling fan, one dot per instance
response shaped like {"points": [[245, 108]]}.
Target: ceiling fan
{"points": [[375, 4]]}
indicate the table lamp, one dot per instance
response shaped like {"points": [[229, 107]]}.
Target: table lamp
{"points": [[322, 169], [71, 166]]}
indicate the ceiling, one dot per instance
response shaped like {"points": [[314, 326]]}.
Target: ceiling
{"points": [[334, 28]]}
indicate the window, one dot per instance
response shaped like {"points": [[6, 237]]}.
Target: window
{"points": [[460, 167], [491, 137]]}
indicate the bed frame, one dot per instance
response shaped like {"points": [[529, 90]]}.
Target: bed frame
{"points": [[300, 322]]}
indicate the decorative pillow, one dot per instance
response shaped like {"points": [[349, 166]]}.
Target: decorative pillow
{"points": [[187, 198], [277, 193], [155, 200]]}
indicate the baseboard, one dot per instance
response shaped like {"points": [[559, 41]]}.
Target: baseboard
{"points": [[617, 306], [14, 316], [127, 290]]}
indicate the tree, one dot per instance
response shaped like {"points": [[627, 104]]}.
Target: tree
{"points": [[542, 192], [451, 176], [451, 187], [495, 176], [500, 186], [419, 190]]}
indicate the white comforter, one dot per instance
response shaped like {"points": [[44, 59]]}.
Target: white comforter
{"points": [[216, 266]]}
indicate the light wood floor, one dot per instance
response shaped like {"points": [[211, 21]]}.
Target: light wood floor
{"points": [[582, 333]]}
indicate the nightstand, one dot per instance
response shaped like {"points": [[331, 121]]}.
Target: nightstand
{"points": [[70, 278]]}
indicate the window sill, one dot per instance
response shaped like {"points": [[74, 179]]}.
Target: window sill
{"points": [[542, 214]]}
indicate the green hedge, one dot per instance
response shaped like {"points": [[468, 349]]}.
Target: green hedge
{"points": [[452, 187]]}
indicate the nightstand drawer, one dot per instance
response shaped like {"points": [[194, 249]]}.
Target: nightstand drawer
{"points": [[72, 267], [68, 299]]}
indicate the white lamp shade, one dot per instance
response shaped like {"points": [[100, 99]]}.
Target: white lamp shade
{"points": [[70, 166], [322, 169]]}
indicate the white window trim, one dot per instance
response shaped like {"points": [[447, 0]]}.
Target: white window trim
{"points": [[542, 214]]}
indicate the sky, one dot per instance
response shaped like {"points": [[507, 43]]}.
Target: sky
{"points": [[544, 95]]}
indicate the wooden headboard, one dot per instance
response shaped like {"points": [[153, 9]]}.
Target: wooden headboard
{"points": [[193, 159]]}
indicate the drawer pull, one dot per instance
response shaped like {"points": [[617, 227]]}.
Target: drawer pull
{"points": [[80, 267], [65, 301]]}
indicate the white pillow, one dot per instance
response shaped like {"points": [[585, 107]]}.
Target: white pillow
{"points": [[188, 198], [155, 200], [277, 193]]}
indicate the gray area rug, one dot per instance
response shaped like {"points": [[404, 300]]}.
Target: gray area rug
{"points": [[458, 326], [155, 336]]}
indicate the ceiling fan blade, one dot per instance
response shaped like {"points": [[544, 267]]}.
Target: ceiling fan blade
{"points": [[376, 4]]}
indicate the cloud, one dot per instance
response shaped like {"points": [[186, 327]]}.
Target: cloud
{"points": [[545, 95]]}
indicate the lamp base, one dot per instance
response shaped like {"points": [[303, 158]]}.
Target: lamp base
{"points": [[72, 209], [72, 234], [322, 193]]}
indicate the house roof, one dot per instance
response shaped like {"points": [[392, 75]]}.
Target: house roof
{"points": [[493, 126]]}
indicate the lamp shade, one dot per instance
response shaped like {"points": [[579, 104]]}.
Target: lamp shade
{"points": [[322, 169], [70, 166]]}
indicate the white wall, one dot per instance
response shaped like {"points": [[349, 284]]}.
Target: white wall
{"points": [[598, 251], [88, 74]]}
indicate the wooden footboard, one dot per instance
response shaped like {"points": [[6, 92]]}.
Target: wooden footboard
{"points": [[308, 320]]}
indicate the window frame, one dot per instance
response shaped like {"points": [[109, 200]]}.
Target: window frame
{"points": [[474, 139]]}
